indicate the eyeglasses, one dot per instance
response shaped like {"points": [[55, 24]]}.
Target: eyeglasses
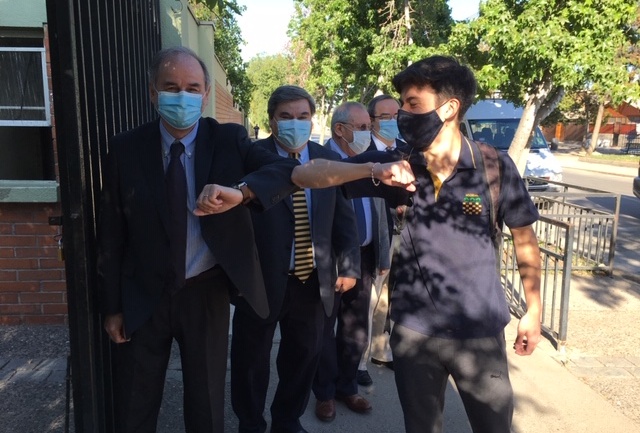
{"points": [[363, 127], [386, 116]]}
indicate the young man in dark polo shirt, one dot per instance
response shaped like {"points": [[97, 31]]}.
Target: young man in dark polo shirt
{"points": [[448, 304]]}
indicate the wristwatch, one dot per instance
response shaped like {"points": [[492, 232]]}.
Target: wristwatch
{"points": [[244, 189]]}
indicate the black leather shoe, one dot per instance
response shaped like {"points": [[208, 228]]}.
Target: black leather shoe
{"points": [[388, 364], [363, 378]]}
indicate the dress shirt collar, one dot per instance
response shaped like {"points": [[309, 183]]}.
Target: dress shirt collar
{"points": [[380, 145], [334, 146], [304, 153], [189, 140]]}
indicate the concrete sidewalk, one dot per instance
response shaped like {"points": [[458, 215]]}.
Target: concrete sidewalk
{"points": [[549, 396]]}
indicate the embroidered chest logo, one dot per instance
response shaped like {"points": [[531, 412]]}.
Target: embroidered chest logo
{"points": [[472, 204]]}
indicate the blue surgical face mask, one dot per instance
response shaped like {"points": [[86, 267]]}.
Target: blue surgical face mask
{"points": [[180, 110], [389, 129], [293, 133], [361, 141]]}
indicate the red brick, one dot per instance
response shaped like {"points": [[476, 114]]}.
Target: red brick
{"points": [[36, 251], [52, 264], [9, 264], [40, 275], [8, 275], [54, 286], [18, 241], [46, 241], [7, 252], [54, 308], [6, 229], [45, 320], [41, 298], [10, 320], [19, 309], [35, 229], [14, 286], [9, 298]]}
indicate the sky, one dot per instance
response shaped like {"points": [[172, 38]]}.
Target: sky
{"points": [[264, 24]]}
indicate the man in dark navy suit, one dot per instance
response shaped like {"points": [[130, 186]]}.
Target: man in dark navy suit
{"points": [[342, 348], [164, 271], [298, 301]]}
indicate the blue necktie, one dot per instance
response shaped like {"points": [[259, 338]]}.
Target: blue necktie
{"points": [[361, 221], [176, 183]]}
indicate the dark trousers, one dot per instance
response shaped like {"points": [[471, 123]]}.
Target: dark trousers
{"points": [[198, 318], [300, 320], [342, 348], [478, 366]]}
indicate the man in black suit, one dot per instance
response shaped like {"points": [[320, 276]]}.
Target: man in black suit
{"points": [[164, 271], [298, 303], [383, 111], [342, 348]]}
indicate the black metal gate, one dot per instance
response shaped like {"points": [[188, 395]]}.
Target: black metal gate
{"points": [[99, 53]]}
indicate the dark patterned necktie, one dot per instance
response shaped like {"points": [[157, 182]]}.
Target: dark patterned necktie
{"points": [[176, 183], [303, 249]]}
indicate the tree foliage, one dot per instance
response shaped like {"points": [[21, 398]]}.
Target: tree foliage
{"points": [[534, 51], [409, 31], [227, 41], [350, 49], [267, 73]]}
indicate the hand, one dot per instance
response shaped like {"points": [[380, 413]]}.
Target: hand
{"points": [[528, 335], [344, 284], [396, 173], [114, 325], [215, 199], [383, 272]]}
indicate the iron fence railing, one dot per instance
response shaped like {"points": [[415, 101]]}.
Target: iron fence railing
{"points": [[576, 231]]}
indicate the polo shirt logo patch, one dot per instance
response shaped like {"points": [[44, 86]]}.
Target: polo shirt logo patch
{"points": [[472, 204]]}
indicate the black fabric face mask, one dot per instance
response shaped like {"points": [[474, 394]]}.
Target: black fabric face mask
{"points": [[419, 130]]}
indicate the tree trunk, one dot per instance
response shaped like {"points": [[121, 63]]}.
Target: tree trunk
{"points": [[519, 149], [596, 129], [407, 21]]}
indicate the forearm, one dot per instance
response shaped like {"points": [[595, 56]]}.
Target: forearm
{"points": [[323, 173], [528, 259]]}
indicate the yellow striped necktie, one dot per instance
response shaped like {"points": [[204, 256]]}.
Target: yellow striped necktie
{"points": [[303, 248]]}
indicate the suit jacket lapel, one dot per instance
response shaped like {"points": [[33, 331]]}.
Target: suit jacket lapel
{"points": [[150, 161], [205, 146], [272, 146]]}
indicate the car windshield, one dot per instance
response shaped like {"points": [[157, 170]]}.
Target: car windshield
{"points": [[499, 133]]}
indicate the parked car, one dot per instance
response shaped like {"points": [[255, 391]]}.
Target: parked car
{"points": [[636, 183], [495, 121]]}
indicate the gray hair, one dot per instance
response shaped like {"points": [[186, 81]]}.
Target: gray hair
{"points": [[169, 53], [342, 113], [289, 93]]}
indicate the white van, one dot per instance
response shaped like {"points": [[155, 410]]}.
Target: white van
{"points": [[494, 121]]}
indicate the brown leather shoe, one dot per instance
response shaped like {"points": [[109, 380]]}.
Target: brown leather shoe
{"points": [[356, 403], [326, 410]]}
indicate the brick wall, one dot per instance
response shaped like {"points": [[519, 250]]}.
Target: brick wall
{"points": [[32, 281], [225, 110]]}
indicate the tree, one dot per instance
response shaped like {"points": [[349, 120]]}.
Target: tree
{"points": [[534, 51], [350, 49], [331, 40], [266, 74], [227, 41], [407, 33]]}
